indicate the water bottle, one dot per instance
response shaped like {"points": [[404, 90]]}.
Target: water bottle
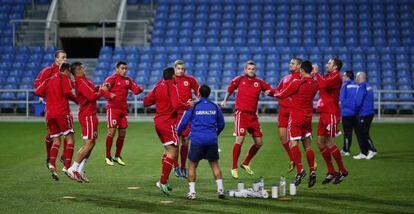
{"points": [[256, 185], [274, 191], [240, 185], [261, 184], [232, 193], [282, 187], [292, 188]]}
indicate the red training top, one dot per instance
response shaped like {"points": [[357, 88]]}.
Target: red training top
{"points": [[45, 74], [58, 91], [185, 84], [248, 93], [165, 97], [302, 91], [285, 102], [120, 85], [330, 87], [87, 94]]}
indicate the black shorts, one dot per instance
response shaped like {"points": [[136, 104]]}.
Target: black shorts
{"points": [[199, 152]]}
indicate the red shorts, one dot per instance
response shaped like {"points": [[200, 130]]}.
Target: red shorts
{"points": [[59, 125], [299, 127], [186, 131], [89, 125], [117, 118], [283, 118], [167, 133], [328, 125], [247, 122]]}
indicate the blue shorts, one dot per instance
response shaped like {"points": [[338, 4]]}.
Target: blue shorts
{"points": [[199, 152]]}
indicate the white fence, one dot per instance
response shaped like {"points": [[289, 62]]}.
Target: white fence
{"points": [[216, 95]]}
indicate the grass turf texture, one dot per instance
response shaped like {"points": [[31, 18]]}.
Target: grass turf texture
{"points": [[382, 185]]}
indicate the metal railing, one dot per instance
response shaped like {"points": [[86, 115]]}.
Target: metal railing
{"points": [[120, 32], [48, 35], [136, 103], [27, 101]]}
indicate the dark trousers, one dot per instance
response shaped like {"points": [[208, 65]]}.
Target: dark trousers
{"points": [[348, 124], [362, 131]]}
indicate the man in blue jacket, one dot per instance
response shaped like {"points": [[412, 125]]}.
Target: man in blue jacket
{"points": [[364, 109], [348, 91], [207, 122]]}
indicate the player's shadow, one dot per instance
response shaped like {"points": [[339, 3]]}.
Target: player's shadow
{"points": [[406, 156], [348, 201], [183, 205], [142, 206], [260, 205]]}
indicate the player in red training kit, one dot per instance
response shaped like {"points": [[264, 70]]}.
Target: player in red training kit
{"points": [[46, 73], [301, 91], [166, 99], [58, 91], [328, 107], [284, 107], [185, 85], [246, 120], [87, 94], [116, 110]]}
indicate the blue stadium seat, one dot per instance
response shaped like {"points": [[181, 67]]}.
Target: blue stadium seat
{"points": [[408, 41], [231, 65], [226, 41], [388, 74], [404, 80], [215, 65], [322, 41], [389, 97], [216, 57], [8, 96], [144, 65]]}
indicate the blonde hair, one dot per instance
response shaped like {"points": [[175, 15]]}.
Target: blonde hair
{"points": [[249, 62], [178, 62]]}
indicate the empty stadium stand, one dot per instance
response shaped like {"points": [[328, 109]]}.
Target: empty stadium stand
{"points": [[216, 37]]}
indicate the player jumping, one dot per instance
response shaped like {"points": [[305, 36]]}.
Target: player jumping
{"points": [[117, 110], [246, 120], [301, 91]]}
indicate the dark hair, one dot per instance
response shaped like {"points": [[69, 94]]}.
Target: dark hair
{"points": [[64, 67], [306, 66], [204, 90], [337, 62], [119, 63], [350, 74], [168, 73], [58, 52], [75, 67], [297, 59]]}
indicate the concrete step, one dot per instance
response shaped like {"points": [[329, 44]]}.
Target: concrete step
{"points": [[32, 33]]}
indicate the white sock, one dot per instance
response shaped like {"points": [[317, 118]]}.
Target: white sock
{"points": [[82, 165], [219, 183], [74, 166], [192, 186]]}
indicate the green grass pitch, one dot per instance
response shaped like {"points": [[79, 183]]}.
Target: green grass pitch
{"points": [[382, 185]]}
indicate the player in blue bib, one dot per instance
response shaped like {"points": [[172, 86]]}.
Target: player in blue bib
{"points": [[207, 122]]}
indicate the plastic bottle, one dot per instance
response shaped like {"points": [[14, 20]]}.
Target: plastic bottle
{"points": [[255, 186], [261, 184], [292, 188], [240, 185], [274, 191], [282, 187]]}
